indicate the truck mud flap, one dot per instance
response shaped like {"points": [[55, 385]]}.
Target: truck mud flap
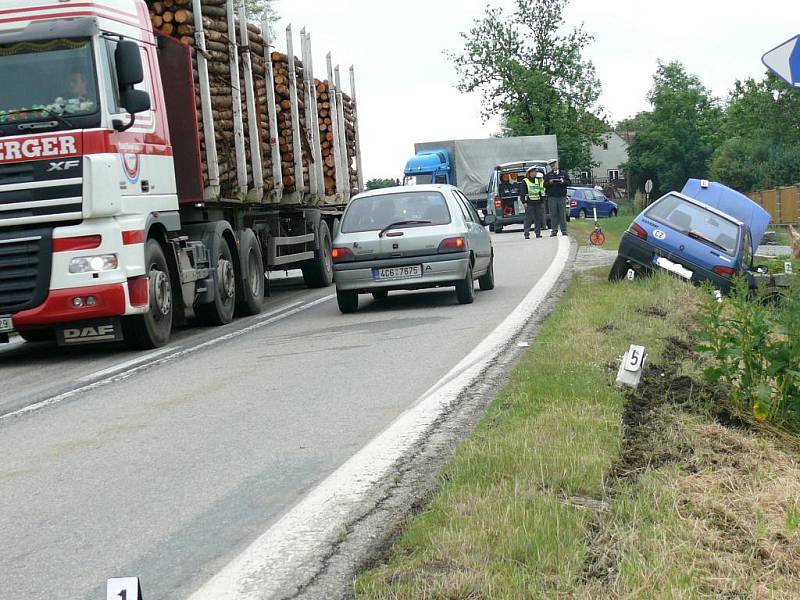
{"points": [[89, 332]]}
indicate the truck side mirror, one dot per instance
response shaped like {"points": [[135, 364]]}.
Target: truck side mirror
{"points": [[489, 219], [128, 61]]}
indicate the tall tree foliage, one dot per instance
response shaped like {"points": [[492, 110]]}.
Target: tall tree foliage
{"points": [[530, 70], [258, 8], [674, 141], [761, 136]]}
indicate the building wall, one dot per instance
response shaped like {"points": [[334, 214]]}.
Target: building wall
{"points": [[611, 157]]}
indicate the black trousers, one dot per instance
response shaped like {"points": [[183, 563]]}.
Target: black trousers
{"points": [[535, 214]]}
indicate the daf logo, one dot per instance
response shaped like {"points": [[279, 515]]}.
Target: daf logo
{"points": [[89, 332], [63, 165]]}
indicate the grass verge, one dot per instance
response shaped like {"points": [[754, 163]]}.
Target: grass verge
{"points": [[571, 488], [613, 228]]}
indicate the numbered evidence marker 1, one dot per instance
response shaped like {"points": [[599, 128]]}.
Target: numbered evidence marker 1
{"points": [[123, 588], [630, 371]]}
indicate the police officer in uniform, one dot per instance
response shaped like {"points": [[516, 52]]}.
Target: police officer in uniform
{"points": [[532, 195], [556, 184]]}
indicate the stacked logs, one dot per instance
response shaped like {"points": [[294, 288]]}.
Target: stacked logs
{"points": [[350, 141], [326, 134], [176, 19]]}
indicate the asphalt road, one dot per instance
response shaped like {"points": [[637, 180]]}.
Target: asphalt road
{"points": [[165, 466]]}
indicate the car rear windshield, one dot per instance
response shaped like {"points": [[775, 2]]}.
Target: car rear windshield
{"points": [[694, 220], [374, 213]]}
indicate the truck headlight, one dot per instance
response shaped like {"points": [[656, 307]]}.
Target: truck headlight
{"points": [[93, 264]]}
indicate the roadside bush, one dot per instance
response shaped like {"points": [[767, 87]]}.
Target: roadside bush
{"points": [[753, 348]]}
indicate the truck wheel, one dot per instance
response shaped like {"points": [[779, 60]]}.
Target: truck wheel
{"points": [[347, 301], [220, 310], [619, 269], [38, 335], [498, 228], [318, 273], [153, 328], [251, 296], [486, 281], [465, 289]]}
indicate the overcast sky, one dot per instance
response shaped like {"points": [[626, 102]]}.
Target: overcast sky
{"points": [[405, 84]]}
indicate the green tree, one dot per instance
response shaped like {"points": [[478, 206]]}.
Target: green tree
{"points": [[258, 8], [378, 183], [675, 140], [530, 71], [761, 133]]}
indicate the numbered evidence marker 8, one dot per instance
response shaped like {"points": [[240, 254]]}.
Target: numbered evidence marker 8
{"points": [[123, 588], [630, 371]]}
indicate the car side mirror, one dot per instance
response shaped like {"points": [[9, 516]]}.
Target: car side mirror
{"points": [[488, 219]]}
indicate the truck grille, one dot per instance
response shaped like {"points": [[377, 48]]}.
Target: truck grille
{"points": [[24, 270], [40, 192]]}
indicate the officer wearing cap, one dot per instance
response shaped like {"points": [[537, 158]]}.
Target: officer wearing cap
{"points": [[532, 195], [556, 183]]}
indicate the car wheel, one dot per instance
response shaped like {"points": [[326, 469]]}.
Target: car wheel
{"points": [[220, 310], [38, 335], [347, 301], [619, 269], [613, 213], [380, 294], [582, 213], [153, 328], [465, 289], [486, 281]]}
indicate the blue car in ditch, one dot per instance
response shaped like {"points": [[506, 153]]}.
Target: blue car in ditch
{"points": [[705, 232]]}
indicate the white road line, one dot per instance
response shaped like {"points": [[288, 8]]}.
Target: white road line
{"points": [[128, 363], [287, 554], [268, 319]]}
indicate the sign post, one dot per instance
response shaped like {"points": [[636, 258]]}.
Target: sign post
{"points": [[784, 61], [648, 187]]}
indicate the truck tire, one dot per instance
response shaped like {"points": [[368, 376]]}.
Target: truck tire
{"points": [[498, 228], [465, 289], [318, 272], [250, 294], [619, 269], [486, 281], [38, 335], [220, 310], [347, 301], [153, 328]]}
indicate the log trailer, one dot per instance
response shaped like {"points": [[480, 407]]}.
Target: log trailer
{"points": [[147, 175]]}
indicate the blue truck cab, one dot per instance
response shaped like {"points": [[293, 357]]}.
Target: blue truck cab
{"points": [[428, 166], [706, 232]]}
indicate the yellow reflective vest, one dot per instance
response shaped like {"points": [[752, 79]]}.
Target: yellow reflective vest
{"points": [[536, 191]]}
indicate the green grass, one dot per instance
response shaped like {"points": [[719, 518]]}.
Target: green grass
{"points": [[613, 229], [503, 525]]}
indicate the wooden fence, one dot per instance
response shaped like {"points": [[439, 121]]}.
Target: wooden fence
{"points": [[782, 203]]}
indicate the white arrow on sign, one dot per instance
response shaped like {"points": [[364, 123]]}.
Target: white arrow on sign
{"points": [[784, 61]]}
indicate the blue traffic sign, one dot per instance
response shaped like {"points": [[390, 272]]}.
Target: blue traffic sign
{"points": [[784, 61]]}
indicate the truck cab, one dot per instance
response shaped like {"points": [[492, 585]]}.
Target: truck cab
{"points": [[428, 166]]}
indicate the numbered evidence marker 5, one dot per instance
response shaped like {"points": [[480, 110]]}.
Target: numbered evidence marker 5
{"points": [[787, 267], [630, 371], [123, 588]]}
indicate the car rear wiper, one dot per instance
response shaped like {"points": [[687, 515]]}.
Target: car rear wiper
{"points": [[702, 238], [399, 224]]}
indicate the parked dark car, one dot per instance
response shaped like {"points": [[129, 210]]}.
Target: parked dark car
{"points": [[706, 232], [583, 199]]}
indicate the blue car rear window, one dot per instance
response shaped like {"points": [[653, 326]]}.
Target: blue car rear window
{"points": [[373, 213], [694, 220]]}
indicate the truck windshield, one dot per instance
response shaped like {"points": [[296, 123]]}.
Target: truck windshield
{"points": [[47, 81], [374, 213], [696, 221]]}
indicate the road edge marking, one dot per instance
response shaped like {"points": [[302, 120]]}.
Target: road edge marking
{"points": [[272, 563]]}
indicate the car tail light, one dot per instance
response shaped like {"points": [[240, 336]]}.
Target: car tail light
{"points": [[573, 204], [453, 244], [341, 254], [83, 242], [724, 271], [498, 203], [637, 230]]}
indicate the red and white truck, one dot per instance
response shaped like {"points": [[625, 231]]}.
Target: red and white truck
{"points": [[114, 218]]}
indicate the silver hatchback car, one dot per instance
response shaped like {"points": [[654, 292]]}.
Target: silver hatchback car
{"points": [[407, 238]]}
